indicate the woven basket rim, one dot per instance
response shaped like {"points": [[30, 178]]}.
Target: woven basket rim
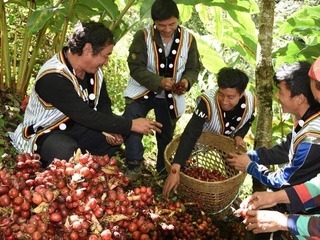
{"points": [[222, 138]]}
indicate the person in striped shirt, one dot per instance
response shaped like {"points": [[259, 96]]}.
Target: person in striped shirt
{"points": [[298, 199], [164, 63], [227, 109], [298, 153], [69, 107]]}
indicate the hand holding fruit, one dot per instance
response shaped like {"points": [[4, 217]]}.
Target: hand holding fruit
{"points": [[261, 221], [113, 139], [173, 180], [260, 200], [180, 87]]}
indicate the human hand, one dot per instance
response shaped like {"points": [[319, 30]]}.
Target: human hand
{"points": [[145, 126], [113, 139], [173, 180], [238, 161], [261, 221], [167, 84], [259, 200], [239, 143], [180, 87]]}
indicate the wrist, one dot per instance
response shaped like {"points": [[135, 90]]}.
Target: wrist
{"points": [[186, 83], [281, 197], [133, 125], [283, 222], [175, 168], [237, 138]]}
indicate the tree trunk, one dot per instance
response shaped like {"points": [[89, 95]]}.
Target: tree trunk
{"points": [[264, 74], [264, 79]]}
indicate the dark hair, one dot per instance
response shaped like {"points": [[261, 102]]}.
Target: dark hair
{"points": [[163, 10], [97, 34], [232, 78], [296, 78]]}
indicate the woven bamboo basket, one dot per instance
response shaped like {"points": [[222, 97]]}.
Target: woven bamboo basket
{"points": [[209, 152]]}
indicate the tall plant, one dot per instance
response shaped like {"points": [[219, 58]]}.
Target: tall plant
{"points": [[48, 22], [45, 29], [5, 55]]}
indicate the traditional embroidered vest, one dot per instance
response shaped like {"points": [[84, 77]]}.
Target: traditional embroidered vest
{"points": [[216, 124], [41, 117], [309, 132], [171, 66]]}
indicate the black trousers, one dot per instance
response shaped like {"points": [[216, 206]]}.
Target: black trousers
{"points": [[62, 144], [134, 150]]}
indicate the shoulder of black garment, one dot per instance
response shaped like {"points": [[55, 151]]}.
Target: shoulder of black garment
{"points": [[311, 111]]}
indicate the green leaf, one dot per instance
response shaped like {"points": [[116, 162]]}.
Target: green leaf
{"points": [[108, 6], [41, 2], [306, 31], [304, 28], [239, 5], [241, 41], [2, 122], [311, 40], [39, 18], [243, 19], [296, 51], [280, 128], [210, 58], [84, 12], [203, 13], [218, 20], [19, 2], [146, 8], [235, 5], [194, 2], [185, 12], [304, 22]]}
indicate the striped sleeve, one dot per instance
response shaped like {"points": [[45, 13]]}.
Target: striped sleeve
{"points": [[304, 226], [305, 196]]}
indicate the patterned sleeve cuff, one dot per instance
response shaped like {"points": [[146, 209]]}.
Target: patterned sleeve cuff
{"points": [[253, 155], [295, 202], [292, 224]]}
